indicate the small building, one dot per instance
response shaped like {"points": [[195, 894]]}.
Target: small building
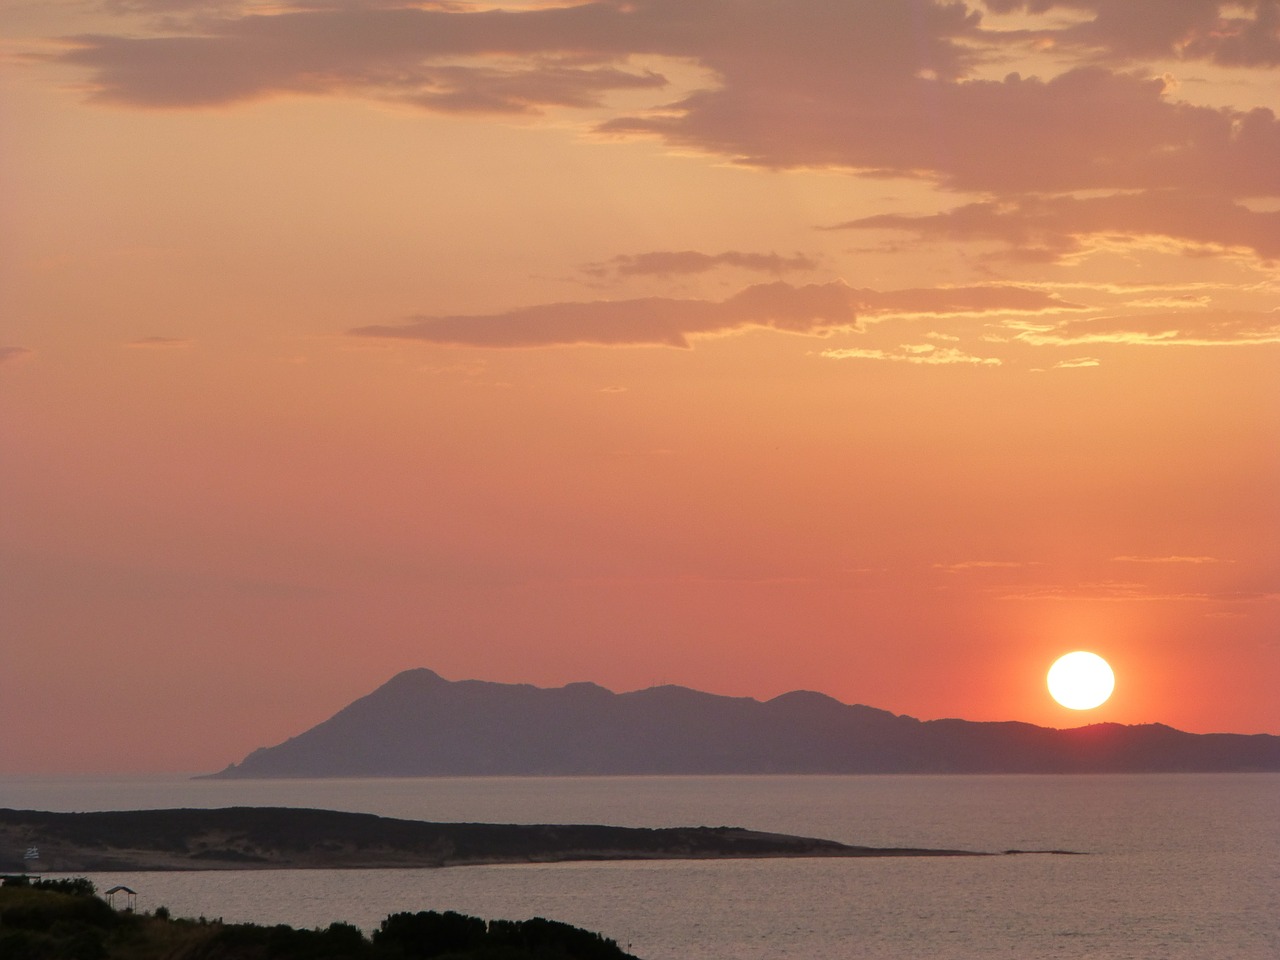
{"points": [[131, 897]]}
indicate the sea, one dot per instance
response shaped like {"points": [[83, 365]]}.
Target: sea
{"points": [[1171, 866]]}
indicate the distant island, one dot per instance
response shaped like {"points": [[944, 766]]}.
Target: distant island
{"points": [[418, 724], [276, 838]]}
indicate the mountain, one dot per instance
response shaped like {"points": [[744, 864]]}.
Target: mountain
{"points": [[419, 724]]}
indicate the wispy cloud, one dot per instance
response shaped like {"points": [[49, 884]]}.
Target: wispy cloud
{"points": [[657, 321], [953, 301], [926, 354], [964, 565], [663, 321], [669, 263], [1169, 559], [11, 354], [1120, 591], [159, 342], [1205, 328], [1050, 229]]}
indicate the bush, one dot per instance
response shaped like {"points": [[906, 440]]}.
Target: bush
{"points": [[75, 886], [42, 912], [419, 936], [340, 941], [550, 938]]}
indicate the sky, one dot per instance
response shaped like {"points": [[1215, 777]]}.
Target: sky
{"points": [[884, 348]]}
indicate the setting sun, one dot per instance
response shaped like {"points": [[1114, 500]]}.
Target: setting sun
{"points": [[1081, 680]]}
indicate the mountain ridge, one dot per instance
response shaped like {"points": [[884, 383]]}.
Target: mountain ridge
{"points": [[420, 724]]}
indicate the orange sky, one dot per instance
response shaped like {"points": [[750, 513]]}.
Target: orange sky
{"points": [[887, 348]]}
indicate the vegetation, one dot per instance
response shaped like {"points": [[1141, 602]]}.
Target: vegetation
{"points": [[66, 920]]}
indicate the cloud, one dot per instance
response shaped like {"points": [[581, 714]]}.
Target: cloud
{"points": [[1053, 228], [980, 565], [1240, 33], [1121, 591], [665, 321], [172, 6], [1171, 559], [1183, 328], [926, 354], [439, 59], [659, 321], [1077, 363], [668, 263], [947, 301], [13, 354], [159, 342], [1087, 129], [886, 87]]}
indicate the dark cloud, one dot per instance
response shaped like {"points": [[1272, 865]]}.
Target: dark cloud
{"points": [[1240, 33], [1087, 129], [662, 321], [886, 87], [404, 55]]}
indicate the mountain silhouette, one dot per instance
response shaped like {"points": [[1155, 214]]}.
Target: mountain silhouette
{"points": [[419, 724]]}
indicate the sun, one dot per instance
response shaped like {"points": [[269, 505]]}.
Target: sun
{"points": [[1081, 680]]}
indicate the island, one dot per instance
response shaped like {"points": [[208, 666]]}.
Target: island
{"points": [[418, 724], [286, 838]]}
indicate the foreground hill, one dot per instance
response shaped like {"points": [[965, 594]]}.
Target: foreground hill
{"points": [[65, 920], [246, 838], [419, 724]]}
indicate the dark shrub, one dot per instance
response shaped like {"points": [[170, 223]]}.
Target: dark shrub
{"points": [[552, 939], [76, 886], [419, 936], [43, 913], [340, 941]]}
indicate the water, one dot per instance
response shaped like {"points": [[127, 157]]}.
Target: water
{"points": [[1178, 867]]}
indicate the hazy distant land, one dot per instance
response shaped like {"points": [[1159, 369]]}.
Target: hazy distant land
{"points": [[266, 838], [419, 724]]}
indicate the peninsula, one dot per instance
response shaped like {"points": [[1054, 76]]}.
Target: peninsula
{"points": [[266, 838]]}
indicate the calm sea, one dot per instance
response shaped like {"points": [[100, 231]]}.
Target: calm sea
{"points": [[1178, 866]]}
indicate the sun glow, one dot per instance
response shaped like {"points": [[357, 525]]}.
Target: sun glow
{"points": [[1081, 680]]}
